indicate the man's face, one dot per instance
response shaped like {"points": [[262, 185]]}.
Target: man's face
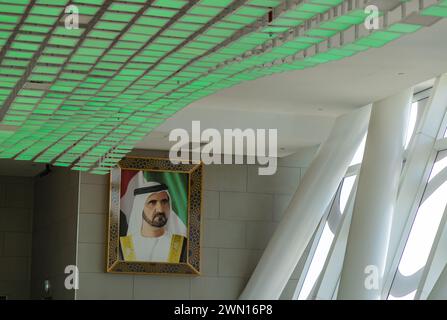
{"points": [[156, 209]]}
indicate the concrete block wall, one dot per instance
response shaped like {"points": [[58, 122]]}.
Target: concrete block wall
{"points": [[16, 219], [240, 212], [54, 231]]}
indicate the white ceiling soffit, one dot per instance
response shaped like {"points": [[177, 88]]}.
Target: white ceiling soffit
{"points": [[294, 131]]}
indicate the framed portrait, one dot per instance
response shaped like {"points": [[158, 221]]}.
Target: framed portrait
{"points": [[154, 218]]}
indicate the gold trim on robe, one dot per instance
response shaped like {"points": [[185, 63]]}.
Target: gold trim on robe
{"points": [[175, 250]]}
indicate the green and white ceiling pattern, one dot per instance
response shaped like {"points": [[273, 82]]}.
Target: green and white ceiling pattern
{"points": [[82, 98]]}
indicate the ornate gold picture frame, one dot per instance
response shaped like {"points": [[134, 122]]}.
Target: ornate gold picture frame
{"points": [[154, 218]]}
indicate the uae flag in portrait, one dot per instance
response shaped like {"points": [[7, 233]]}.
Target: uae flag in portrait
{"points": [[177, 188]]}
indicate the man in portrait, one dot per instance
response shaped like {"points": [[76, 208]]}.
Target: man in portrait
{"points": [[154, 231]]}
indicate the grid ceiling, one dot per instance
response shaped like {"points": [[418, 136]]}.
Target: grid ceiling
{"points": [[82, 98]]}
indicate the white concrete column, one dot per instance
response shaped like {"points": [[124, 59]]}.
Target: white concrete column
{"points": [[307, 207], [439, 291], [369, 233]]}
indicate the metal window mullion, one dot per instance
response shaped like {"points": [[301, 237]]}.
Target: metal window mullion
{"points": [[347, 218], [315, 242], [433, 251], [441, 144], [408, 226], [394, 265], [443, 129]]}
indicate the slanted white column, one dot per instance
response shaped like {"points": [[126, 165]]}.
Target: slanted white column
{"points": [[307, 207], [439, 291], [369, 233]]}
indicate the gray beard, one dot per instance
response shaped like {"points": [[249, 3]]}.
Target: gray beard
{"points": [[158, 221]]}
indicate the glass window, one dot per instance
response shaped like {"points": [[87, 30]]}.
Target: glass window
{"points": [[318, 261], [423, 232], [326, 240], [348, 184], [358, 157], [412, 124]]}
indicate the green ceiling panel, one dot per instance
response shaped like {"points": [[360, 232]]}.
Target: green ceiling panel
{"points": [[404, 27], [7, 8], [142, 61], [41, 20], [174, 4], [4, 18], [36, 29], [124, 7], [120, 17], [158, 12], [437, 11], [46, 10]]}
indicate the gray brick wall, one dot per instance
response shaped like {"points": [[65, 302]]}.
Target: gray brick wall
{"points": [[16, 218], [54, 231]]}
